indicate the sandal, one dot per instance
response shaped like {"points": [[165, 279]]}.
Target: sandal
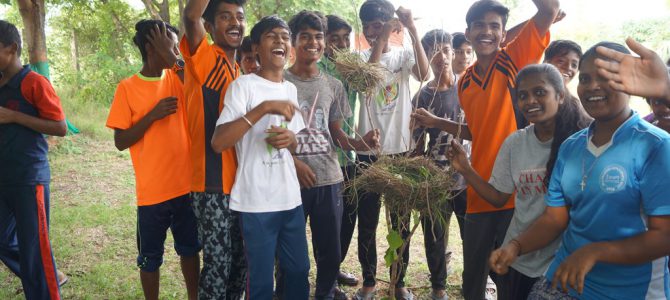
{"points": [[360, 295], [434, 296], [404, 294], [62, 278]]}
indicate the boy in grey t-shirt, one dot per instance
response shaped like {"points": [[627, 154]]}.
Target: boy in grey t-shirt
{"points": [[323, 102]]}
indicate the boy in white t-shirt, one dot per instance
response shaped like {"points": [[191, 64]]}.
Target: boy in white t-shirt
{"points": [[389, 111], [266, 192]]}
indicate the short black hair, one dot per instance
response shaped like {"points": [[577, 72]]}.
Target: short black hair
{"points": [[336, 23], [9, 34], [562, 47], [592, 54], [143, 29], [246, 45], [434, 37], [458, 39], [376, 9], [210, 11], [306, 19], [264, 25], [481, 7]]}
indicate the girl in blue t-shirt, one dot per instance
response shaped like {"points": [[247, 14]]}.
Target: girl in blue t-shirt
{"points": [[608, 198], [523, 166]]}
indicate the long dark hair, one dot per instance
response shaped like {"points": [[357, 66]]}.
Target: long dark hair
{"points": [[569, 117]]}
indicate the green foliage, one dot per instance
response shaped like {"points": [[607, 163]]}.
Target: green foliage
{"points": [[347, 9], [395, 242]]}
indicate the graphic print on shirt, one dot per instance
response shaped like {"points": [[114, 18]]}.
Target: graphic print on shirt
{"points": [[315, 138], [387, 97], [275, 156], [613, 179], [531, 182]]}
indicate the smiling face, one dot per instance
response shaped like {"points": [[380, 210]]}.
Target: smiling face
{"points": [[227, 30], [338, 40], [486, 34], [372, 30], [538, 99], [463, 56], [661, 112], [567, 63], [249, 63], [599, 100], [309, 45], [274, 46]]}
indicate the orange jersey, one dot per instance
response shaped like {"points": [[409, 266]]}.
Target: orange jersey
{"points": [[161, 157], [207, 75], [488, 105]]}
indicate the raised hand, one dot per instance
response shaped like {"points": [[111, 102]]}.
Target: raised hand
{"points": [[162, 40], [644, 76], [164, 108], [405, 17]]}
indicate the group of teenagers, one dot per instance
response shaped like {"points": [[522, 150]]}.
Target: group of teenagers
{"points": [[557, 196]]}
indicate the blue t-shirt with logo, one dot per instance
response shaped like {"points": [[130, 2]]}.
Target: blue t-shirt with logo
{"points": [[624, 185]]}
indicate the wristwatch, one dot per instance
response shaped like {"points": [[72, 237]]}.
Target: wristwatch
{"points": [[178, 65]]}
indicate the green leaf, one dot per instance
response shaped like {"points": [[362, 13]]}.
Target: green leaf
{"points": [[424, 172], [394, 239], [416, 217], [390, 257]]}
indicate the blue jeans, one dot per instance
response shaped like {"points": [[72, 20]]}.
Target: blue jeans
{"points": [[281, 233]]}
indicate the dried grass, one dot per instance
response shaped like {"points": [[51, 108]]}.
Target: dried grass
{"points": [[360, 75]]}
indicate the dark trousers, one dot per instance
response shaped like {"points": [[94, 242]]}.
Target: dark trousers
{"points": [[24, 245], [483, 233], [514, 285], [349, 212], [280, 233], [368, 218], [323, 206], [435, 241]]}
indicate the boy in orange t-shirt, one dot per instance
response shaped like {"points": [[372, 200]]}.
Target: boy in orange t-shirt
{"points": [[209, 69], [485, 93], [147, 116]]}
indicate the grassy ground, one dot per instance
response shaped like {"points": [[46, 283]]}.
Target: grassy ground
{"points": [[93, 218]]}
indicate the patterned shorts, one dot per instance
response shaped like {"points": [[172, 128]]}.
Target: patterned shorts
{"points": [[542, 290], [224, 270]]}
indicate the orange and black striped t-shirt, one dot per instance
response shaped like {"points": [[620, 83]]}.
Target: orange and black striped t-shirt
{"points": [[488, 105], [207, 74]]}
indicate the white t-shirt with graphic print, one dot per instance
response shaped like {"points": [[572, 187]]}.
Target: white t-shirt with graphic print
{"points": [[390, 109]]}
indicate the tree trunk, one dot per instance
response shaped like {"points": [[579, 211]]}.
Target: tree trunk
{"points": [[165, 11], [32, 13], [74, 50], [151, 9]]}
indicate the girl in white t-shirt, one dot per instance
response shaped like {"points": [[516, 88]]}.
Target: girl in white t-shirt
{"points": [[523, 167]]}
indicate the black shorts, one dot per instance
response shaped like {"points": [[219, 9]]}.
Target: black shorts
{"points": [[153, 222]]}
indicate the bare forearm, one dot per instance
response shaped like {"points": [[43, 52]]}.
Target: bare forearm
{"points": [[459, 130], [227, 135], [56, 128], [547, 10], [123, 139], [513, 33], [194, 29], [485, 189], [638, 249], [543, 231], [378, 50], [420, 69]]}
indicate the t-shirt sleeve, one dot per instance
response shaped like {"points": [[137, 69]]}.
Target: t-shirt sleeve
{"points": [[199, 63], [120, 114], [409, 59], [528, 46], [554, 196], [37, 90], [297, 123], [501, 176], [235, 103], [339, 109], [655, 194]]}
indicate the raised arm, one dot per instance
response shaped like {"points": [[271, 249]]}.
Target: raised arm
{"points": [[644, 76], [194, 28], [547, 10], [420, 68], [424, 118]]}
